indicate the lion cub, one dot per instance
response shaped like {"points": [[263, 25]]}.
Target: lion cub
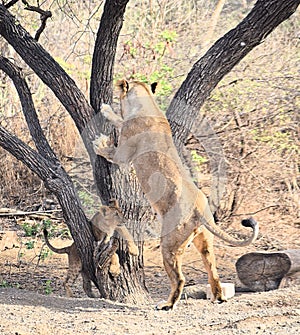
{"points": [[104, 223]]}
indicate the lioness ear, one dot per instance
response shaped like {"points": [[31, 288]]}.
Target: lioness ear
{"points": [[153, 87], [123, 86]]}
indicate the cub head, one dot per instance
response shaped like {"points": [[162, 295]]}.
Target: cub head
{"points": [[108, 218]]}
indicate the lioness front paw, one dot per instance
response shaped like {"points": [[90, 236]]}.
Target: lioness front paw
{"points": [[101, 143], [109, 114], [164, 306], [106, 110]]}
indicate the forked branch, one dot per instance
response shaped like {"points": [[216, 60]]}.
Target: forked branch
{"points": [[45, 15]]}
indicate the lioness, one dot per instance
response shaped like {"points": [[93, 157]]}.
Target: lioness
{"points": [[145, 140], [104, 223]]}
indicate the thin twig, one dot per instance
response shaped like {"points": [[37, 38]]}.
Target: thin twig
{"points": [[255, 212]]}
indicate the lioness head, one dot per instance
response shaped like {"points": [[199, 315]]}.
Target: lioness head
{"points": [[126, 86], [133, 96]]}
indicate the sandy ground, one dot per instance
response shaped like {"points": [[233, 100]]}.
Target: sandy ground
{"points": [[32, 298], [24, 312]]}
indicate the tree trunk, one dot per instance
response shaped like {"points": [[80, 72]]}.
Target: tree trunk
{"points": [[113, 181], [46, 166], [132, 278], [261, 271]]}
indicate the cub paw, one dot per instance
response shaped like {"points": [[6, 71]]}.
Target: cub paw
{"points": [[133, 249], [115, 268]]}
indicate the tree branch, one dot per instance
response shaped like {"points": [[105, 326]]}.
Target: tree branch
{"points": [[50, 72], [220, 59], [101, 85], [59, 183], [208, 71], [33, 160], [45, 15], [28, 108], [105, 51], [65, 89], [11, 3]]}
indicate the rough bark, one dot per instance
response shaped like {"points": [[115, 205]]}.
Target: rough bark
{"points": [[112, 181], [102, 85], [261, 271], [105, 51]]}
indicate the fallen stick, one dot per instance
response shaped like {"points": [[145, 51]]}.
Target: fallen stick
{"points": [[10, 212]]}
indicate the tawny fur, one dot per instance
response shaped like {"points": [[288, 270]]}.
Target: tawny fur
{"points": [[104, 223], [145, 141]]}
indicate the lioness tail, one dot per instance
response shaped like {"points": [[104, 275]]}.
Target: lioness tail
{"points": [[251, 223]]}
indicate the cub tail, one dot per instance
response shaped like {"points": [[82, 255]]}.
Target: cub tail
{"points": [[51, 247]]}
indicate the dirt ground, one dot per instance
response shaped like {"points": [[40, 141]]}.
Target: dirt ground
{"points": [[32, 299]]}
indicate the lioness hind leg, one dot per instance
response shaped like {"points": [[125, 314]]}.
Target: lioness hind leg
{"points": [[204, 244], [172, 262]]}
